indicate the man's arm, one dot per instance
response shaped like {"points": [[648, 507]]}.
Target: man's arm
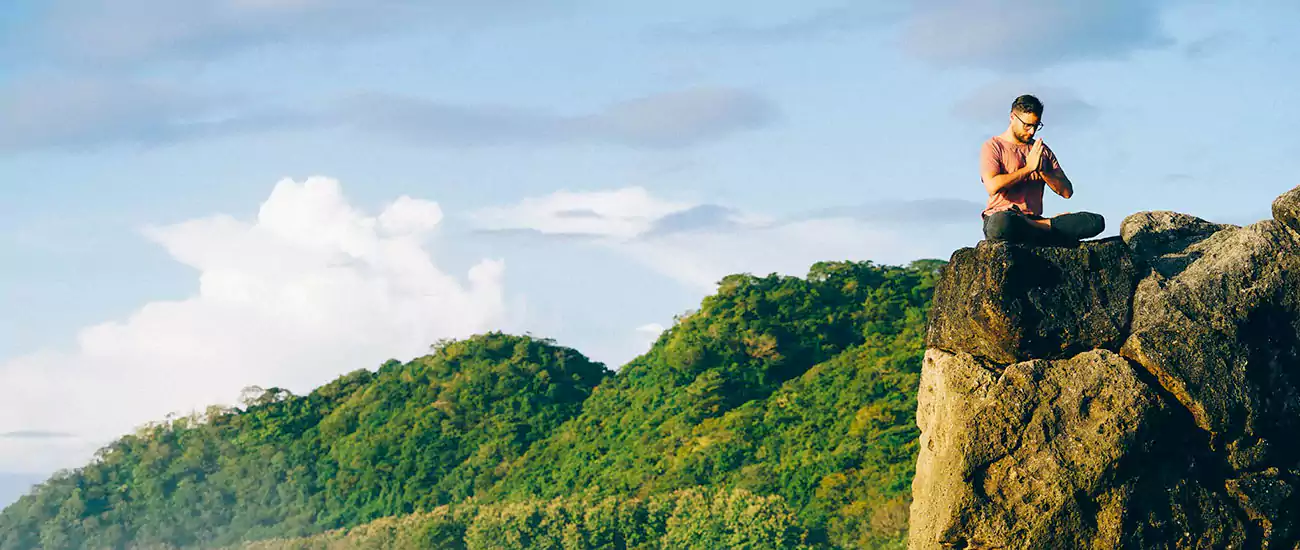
{"points": [[994, 182], [1054, 176], [1058, 182]]}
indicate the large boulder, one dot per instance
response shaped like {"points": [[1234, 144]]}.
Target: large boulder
{"points": [[1133, 392], [1164, 235], [1056, 454], [1217, 322], [1009, 302], [1286, 209]]}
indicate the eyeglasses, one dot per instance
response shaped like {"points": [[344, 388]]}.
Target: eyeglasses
{"points": [[1036, 127]]}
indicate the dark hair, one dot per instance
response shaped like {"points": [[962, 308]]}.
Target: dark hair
{"points": [[1027, 104]]}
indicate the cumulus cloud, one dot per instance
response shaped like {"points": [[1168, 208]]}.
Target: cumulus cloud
{"points": [[308, 290], [698, 244], [82, 113], [1019, 37], [665, 120]]}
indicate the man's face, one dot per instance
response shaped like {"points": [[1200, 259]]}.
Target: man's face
{"points": [[1024, 126]]}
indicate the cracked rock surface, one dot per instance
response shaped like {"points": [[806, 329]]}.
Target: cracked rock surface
{"points": [[1133, 392]]}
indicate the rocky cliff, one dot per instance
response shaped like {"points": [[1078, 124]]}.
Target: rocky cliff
{"points": [[1141, 391]]}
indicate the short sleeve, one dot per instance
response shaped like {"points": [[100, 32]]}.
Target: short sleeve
{"points": [[1049, 159], [990, 160]]}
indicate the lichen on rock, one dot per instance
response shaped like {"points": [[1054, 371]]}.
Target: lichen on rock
{"points": [[1132, 392], [1051, 454], [1006, 302]]}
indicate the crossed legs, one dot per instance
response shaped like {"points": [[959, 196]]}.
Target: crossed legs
{"points": [[1016, 227]]}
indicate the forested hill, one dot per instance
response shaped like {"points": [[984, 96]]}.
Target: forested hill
{"points": [[781, 411]]}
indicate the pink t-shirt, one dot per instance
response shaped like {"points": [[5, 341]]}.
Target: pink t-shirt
{"points": [[1003, 157]]}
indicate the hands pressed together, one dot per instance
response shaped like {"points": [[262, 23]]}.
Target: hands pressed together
{"points": [[1035, 157]]}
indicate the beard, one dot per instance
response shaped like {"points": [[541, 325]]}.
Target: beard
{"points": [[1022, 138]]}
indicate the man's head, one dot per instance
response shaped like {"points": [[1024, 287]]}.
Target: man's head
{"points": [[1026, 117]]}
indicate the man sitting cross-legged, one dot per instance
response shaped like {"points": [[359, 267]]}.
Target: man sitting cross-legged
{"points": [[1014, 168]]}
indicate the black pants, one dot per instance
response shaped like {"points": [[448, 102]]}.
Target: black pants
{"points": [[1017, 227]]}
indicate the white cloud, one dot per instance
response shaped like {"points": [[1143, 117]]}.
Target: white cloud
{"points": [[408, 216], [700, 259], [698, 245], [309, 290], [621, 213]]}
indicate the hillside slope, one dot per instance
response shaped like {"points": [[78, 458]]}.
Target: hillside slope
{"points": [[795, 389], [803, 388], [368, 445]]}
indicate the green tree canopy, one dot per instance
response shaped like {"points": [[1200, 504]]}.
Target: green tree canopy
{"points": [[791, 397]]}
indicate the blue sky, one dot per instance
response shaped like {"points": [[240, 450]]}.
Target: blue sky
{"points": [[200, 196]]}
